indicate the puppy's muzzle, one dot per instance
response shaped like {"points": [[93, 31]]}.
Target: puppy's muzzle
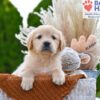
{"points": [[47, 46]]}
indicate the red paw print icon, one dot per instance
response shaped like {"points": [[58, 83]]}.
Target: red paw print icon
{"points": [[88, 5]]}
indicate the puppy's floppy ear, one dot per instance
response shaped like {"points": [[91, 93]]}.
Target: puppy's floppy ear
{"points": [[30, 41], [62, 43]]}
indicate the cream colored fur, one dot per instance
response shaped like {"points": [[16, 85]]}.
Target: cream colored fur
{"points": [[39, 61]]}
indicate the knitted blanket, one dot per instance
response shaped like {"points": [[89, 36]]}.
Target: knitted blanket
{"points": [[43, 88]]}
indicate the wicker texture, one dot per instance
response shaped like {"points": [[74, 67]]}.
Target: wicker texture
{"points": [[43, 88]]}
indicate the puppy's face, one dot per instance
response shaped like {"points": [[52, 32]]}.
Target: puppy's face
{"points": [[46, 39]]}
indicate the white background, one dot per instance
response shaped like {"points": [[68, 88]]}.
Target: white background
{"points": [[25, 7]]}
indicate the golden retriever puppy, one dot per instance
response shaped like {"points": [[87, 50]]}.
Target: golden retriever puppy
{"points": [[44, 56]]}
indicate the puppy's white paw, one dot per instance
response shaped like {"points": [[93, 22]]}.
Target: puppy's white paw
{"points": [[59, 78], [27, 83]]}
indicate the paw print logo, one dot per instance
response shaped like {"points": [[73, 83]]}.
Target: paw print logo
{"points": [[88, 5]]}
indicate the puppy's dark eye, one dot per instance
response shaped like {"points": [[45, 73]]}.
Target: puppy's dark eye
{"points": [[39, 37], [53, 37]]}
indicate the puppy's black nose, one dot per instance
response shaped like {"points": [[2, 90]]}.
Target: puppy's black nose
{"points": [[46, 44]]}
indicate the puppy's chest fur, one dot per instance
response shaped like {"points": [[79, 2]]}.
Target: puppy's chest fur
{"points": [[42, 64]]}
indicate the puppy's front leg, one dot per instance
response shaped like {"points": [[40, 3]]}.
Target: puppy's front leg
{"points": [[27, 80], [58, 77]]}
